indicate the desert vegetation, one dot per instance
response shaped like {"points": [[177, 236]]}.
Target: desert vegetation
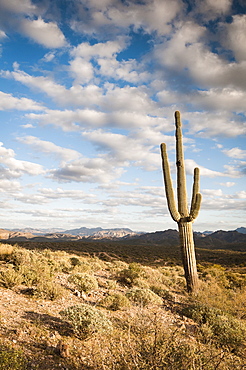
{"points": [[71, 309]]}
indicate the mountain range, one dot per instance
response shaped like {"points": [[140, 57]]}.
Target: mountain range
{"points": [[233, 240]]}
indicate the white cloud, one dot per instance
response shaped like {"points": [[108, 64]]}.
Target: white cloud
{"points": [[190, 164], [8, 101], [15, 168], [235, 153], [93, 170], [214, 8], [7, 186], [25, 6], [49, 148], [2, 34], [137, 152], [46, 34], [58, 193], [212, 192], [106, 50], [236, 36], [77, 95], [48, 57], [116, 17], [215, 124], [104, 54], [82, 70], [228, 184], [228, 98], [187, 54], [28, 125]]}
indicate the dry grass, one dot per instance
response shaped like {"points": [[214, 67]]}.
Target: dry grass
{"points": [[64, 310]]}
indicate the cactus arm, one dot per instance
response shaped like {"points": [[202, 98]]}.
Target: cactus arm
{"points": [[195, 210], [196, 196], [181, 178], [195, 189], [168, 185]]}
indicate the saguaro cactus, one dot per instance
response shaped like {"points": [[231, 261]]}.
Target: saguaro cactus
{"points": [[182, 215]]}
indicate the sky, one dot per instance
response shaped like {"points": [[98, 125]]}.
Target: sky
{"points": [[88, 91]]}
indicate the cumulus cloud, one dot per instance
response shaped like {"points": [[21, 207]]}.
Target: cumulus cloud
{"points": [[47, 34], [77, 95], [236, 37], [115, 16], [235, 153], [215, 124], [58, 193], [8, 101], [49, 148], [188, 54], [228, 184], [26, 6], [93, 170], [211, 9], [14, 168], [138, 152], [9, 186], [190, 164], [215, 199]]}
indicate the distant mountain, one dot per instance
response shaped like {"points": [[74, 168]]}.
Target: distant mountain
{"points": [[74, 234], [220, 239], [231, 240], [98, 232], [241, 230], [38, 231]]}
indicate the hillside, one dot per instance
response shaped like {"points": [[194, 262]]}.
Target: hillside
{"points": [[81, 310]]}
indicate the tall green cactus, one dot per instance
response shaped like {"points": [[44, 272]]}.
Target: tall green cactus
{"points": [[182, 215]]}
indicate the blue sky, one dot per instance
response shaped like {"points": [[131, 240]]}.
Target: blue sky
{"points": [[88, 91]]}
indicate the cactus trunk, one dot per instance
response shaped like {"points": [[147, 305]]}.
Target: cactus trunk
{"points": [[188, 255], [180, 214]]}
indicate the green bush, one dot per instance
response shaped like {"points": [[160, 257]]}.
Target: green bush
{"points": [[83, 282], [143, 297], [223, 329], [129, 276], [114, 302], [75, 261], [162, 291], [87, 320], [11, 359]]}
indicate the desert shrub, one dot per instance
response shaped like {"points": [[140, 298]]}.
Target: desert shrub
{"points": [[114, 302], [128, 276], [146, 343], [9, 277], [215, 273], [11, 359], [6, 251], [223, 329], [83, 282], [236, 280], [87, 320], [143, 297], [75, 261], [83, 266], [21, 256], [49, 290], [162, 291], [36, 271]]}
